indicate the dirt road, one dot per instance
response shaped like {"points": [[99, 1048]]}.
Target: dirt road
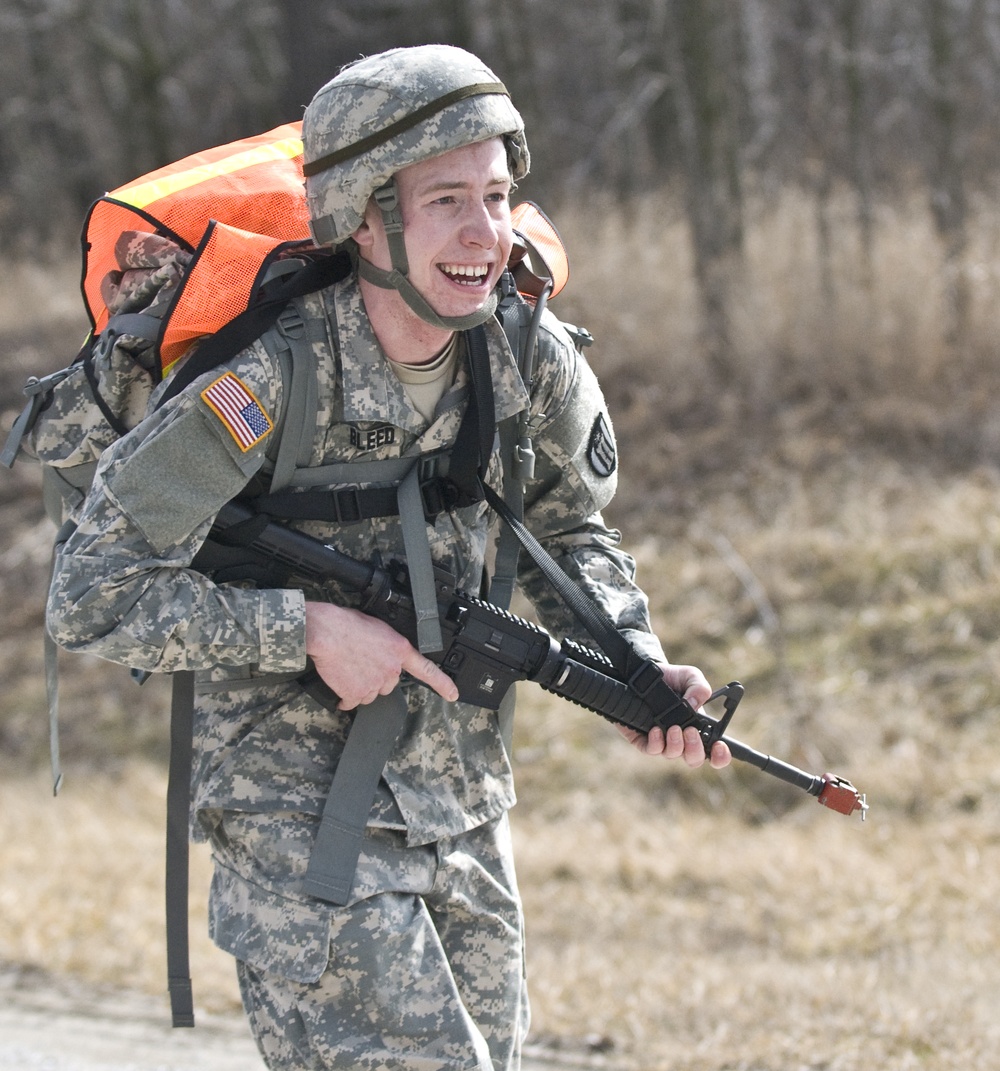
{"points": [[50, 1024]]}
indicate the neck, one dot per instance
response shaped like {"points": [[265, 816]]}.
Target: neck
{"points": [[403, 336]]}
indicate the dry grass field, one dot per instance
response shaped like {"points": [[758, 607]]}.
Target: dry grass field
{"points": [[827, 530]]}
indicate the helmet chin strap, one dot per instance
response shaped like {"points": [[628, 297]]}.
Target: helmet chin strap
{"points": [[387, 199]]}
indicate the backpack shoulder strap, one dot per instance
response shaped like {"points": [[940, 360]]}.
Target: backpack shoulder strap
{"points": [[290, 342], [244, 329]]}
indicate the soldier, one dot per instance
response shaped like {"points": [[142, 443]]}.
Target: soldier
{"points": [[411, 157]]}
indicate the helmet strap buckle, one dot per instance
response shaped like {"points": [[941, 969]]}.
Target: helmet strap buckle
{"points": [[387, 199]]}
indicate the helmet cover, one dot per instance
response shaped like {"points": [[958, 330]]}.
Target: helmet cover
{"points": [[397, 108]]}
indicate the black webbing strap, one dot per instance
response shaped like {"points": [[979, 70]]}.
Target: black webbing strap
{"points": [[178, 817], [249, 325], [520, 325], [337, 505], [349, 505], [474, 442], [334, 858]]}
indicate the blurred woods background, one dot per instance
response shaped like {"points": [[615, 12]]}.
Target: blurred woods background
{"points": [[782, 231], [781, 225], [849, 123]]}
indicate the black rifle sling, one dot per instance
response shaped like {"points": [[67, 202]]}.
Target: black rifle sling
{"points": [[622, 654], [625, 658], [474, 442]]}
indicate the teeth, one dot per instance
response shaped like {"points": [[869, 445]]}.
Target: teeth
{"points": [[465, 270]]}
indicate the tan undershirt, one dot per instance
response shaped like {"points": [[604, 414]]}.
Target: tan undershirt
{"points": [[426, 383]]}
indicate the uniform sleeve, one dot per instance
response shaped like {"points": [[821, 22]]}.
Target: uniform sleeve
{"points": [[123, 587], [576, 474]]}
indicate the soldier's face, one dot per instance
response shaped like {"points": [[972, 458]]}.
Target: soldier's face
{"points": [[456, 224]]}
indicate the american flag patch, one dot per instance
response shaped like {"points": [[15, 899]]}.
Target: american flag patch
{"points": [[238, 409]]}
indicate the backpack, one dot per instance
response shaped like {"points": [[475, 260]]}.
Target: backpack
{"points": [[168, 260], [182, 269]]}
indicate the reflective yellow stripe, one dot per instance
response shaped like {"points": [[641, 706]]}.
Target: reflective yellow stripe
{"points": [[147, 193]]}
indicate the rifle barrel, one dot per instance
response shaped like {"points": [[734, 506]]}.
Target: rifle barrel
{"points": [[768, 764]]}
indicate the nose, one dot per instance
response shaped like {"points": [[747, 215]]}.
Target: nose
{"points": [[479, 228]]}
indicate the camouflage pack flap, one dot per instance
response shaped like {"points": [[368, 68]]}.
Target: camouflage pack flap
{"points": [[120, 371], [77, 413]]}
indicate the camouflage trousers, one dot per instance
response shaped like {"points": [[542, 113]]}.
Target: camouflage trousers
{"points": [[422, 971]]}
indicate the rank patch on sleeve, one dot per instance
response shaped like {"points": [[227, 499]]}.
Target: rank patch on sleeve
{"points": [[601, 448], [238, 409]]}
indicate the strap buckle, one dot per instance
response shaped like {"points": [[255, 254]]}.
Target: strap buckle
{"points": [[439, 494], [347, 504], [290, 322], [645, 678]]}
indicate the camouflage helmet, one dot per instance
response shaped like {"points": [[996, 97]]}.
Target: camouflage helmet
{"points": [[397, 108]]}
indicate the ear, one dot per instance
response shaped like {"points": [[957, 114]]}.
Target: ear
{"points": [[365, 235]]}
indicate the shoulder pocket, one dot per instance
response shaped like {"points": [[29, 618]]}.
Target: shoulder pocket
{"points": [[177, 478]]}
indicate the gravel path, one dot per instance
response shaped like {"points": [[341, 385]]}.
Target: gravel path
{"points": [[51, 1024]]}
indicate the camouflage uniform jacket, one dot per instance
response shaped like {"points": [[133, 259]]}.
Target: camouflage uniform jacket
{"points": [[123, 587]]}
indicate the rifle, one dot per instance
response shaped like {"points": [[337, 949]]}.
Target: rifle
{"points": [[487, 649]]}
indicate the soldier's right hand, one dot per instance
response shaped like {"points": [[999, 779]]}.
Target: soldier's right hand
{"points": [[360, 657]]}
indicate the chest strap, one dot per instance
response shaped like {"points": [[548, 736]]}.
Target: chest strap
{"points": [[349, 503]]}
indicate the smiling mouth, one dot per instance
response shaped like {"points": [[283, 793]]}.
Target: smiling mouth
{"points": [[465, 274]]}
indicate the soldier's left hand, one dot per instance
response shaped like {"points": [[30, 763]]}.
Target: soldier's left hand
{"points": [[678, 743]]}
